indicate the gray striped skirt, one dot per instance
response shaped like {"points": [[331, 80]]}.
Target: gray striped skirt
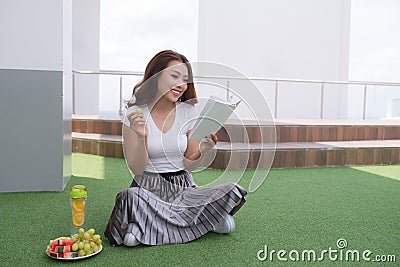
{"points": [[169, 209]]}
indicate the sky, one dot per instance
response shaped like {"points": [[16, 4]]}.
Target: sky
{"points": [[375, 40], [133, 31]]}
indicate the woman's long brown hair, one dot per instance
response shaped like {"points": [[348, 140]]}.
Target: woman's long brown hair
{"points": [[146, 90]]}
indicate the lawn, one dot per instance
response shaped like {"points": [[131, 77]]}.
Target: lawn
{"points": [[295, 211]]}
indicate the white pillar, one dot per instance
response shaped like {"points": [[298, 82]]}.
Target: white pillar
{"points": [[35, 94]]}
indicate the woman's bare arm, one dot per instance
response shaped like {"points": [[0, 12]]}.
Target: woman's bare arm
{"points": [[135, 143], [196, 152]]}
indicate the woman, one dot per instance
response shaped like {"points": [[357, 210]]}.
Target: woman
{"points": [[163, 204]]}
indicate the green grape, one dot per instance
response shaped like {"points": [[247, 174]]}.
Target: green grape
{"points": [[86, 236], [92, 244], [81, 252], [75, 237], [80, 245], [96, 237], [81, 231], [75, 247], [86, 248], [91, 231], [95, 248], [98, 242]]}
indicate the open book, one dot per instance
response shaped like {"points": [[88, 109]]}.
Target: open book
{"points": [[212, 117]]}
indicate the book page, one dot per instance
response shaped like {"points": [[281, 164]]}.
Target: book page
{"points": [[212, 117]]}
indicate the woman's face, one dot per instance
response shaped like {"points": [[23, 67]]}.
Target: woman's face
{"points": [[173, 80]]}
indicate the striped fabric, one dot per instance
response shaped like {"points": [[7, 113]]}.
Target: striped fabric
{"points": [[170, 209]]}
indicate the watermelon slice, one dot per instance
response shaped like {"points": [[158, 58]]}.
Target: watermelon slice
{"points": [[69, 255], [63, 249], [63, 242]]}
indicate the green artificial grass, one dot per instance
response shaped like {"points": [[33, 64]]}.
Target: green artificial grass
{"points": [[294, 209]]}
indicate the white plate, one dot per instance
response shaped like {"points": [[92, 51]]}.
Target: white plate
{"points": [[78, 258]]}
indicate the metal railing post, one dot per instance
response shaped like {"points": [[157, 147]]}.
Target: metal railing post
{"points": [[120, 95], [365, 101], [227, 90], [73, 93], [276, 100], [321, 112]]}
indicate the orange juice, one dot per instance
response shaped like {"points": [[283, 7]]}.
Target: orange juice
{"points": [[78, 196]]}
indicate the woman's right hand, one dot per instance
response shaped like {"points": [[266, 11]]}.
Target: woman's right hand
{"points": [[138, 124]]}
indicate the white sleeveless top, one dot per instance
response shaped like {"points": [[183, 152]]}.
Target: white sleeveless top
{"points": [[166, 150]]}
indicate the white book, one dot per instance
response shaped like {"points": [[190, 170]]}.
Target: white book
{"points": [[214, 114]]}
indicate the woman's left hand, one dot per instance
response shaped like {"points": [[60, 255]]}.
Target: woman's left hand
{"points": [[208, 143]]}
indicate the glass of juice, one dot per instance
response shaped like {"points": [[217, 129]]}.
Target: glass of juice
{"points": [[78, 196]]}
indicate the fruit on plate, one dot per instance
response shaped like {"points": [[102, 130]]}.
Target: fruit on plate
{"points": [[62, 247], [79, 245]]}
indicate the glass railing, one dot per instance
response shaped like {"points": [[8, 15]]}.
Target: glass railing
{"points": [[364, 99]]}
